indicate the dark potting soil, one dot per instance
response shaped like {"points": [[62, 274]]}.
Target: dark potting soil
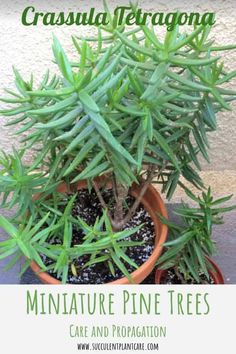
{"points": [[170, 278], [88, 208]]}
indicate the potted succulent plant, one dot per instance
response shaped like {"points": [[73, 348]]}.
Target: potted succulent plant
{"points": [[130, 112], [186, 259]]}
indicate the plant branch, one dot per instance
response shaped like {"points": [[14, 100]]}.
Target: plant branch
{"points": [[179, 275], [122, 192], [99, 195], [114, 188], [144, 186]]}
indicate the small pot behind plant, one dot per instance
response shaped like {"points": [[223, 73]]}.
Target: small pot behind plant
{"points": [[154, 205], [215, 273]]}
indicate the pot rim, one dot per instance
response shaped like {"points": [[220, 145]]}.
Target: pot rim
{"points": [[215, 273], [160, 237]]}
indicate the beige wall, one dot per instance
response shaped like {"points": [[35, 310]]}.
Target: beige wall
{"points": [[29, 49]]}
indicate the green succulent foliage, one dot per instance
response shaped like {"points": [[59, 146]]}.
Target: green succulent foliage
{"points": [[191, 239], [17, 185], [100, 243], [25, 240], [130, 101], [51, 237]]}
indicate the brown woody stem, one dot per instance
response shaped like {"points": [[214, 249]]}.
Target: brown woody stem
{"points": [[99, 195], [121, 192], [118, 225]]}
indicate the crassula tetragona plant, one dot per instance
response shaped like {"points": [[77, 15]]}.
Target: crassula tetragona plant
{"points": [[132, 108], [190, 241]]}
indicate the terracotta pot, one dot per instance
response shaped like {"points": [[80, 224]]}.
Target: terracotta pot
{"points": [[215, 273], [153, 203]]}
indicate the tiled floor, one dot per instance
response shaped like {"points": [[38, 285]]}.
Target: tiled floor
{"points": [[225, 236]]}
